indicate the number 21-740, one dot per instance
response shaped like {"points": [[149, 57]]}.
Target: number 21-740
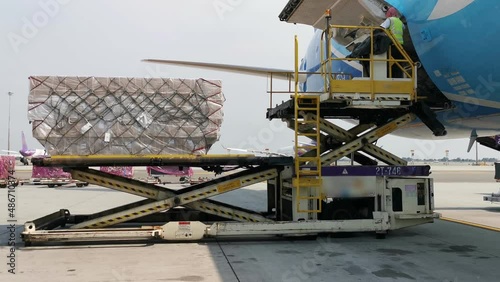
{"points": [[388, 171]]}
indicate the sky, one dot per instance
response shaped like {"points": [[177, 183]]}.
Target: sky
{"points": [[111, 37]]}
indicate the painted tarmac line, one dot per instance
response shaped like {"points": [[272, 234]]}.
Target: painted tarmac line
{"points": [[491, 228]]}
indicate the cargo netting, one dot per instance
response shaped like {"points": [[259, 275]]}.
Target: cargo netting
{"points": [[131, 116]]}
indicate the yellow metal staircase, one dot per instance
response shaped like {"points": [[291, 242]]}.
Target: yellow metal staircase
{"points": [[307, 178], [307, 169]]}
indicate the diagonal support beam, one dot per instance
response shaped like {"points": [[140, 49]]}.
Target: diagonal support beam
{"points": [[372, 150], [359, 158], [183, 197], [355, 131], [364, 141], [154, 192]]}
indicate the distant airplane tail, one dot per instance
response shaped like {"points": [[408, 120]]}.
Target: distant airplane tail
{"points": [[492, 142], [25, 146]]}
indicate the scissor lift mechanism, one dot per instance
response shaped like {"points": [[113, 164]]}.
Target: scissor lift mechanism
{"points": [[158, 199], [160, 216]]}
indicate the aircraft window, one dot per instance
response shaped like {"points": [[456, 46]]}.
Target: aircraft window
{"points": [[397, 199]]}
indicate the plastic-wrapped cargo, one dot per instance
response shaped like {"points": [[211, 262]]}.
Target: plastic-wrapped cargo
{"points": [[125, 171], [41, 172], [132, 116], [169, 170], [7, 165]]}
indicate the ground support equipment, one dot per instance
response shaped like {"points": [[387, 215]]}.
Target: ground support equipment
{"points": [[305, 194], [53, 182], [189, 214], [492, 198]]}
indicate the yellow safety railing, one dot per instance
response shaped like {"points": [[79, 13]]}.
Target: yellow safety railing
{"points": [[343, 83], [280, 83]]}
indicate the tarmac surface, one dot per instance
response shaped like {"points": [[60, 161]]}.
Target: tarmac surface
{"points": [[441, 251]]}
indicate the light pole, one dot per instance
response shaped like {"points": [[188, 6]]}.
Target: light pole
{"points": [[8, 132], [477, 158]]}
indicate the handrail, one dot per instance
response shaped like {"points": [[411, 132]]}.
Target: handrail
{"points": [[329, 75], [290, 81], [387, 32], [336, 82]]}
